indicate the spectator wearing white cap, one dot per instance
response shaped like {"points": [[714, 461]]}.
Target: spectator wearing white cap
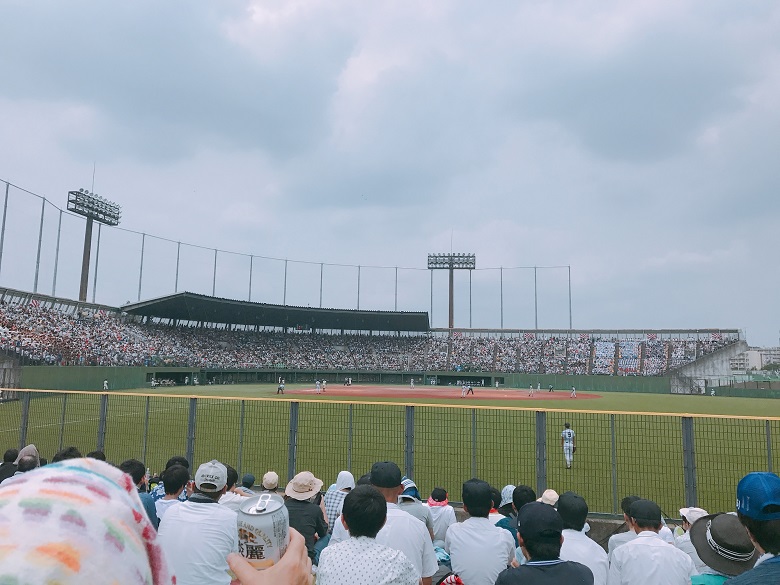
{"points": [[196, 537], [409, 502], [306, 517], [724, 546], [479, 550], [334, 498], [683, 542], [648, 559], [577, 546], [270, 482]]}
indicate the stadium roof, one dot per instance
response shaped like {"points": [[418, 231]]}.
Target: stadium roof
{"points": [[187, 306]]}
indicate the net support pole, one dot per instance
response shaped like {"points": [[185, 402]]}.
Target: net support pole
{"points": [[501, 291], [241, 418], [474, 442], [2, 226], [97, 260], [57, 257], [541, 451], [146, 430], [101, 434], [40, 244], [536, 301], [24, 420], [689, 461], [349, 438], [768, 427], [322, 268], [284, 292], [62, 422], [358, 288]]}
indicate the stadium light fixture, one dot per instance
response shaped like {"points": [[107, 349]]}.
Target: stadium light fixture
{"points": [[94, 208], [452, 262]]}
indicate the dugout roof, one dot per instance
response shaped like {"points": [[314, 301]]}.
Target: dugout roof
{"points": [[187, 306]]}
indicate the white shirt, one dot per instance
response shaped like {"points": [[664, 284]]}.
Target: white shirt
{"points": [[443, 517], [568, 436], [406, 533], [684, 544], [617, 540], [363, 560], [578, 547], [232, 500], [650, 561], [479, 550], [196, 539], [161, 506]]}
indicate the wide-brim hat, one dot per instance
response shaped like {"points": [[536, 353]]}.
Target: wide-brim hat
{"points": [[303, 486], [723, 544]]}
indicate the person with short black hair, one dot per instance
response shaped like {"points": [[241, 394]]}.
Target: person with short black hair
{"points": [[622, 538], [577, 546], [8, 466], [361, 559], [540, 533], [648, 559], [174, 479], [136, 470], [99, 455], [442, 515], [233, 497], [521, 496], [66, 453], [158, 493], [758, 509], [479, 550]]}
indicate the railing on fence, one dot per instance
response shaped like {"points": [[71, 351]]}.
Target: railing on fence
{"points": [[676, 460]]}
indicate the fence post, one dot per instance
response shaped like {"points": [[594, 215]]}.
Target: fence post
{"points": [[101, 434], [614, 464], [541, 451], [25, 420], [146, 430], [474, 442], [689, 461], [241, 437], [409, 442], [768, 447], [191, 432], [349, 439], [293, 444], [62, 422]]}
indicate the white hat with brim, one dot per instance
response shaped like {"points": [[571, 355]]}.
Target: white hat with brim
{"points": [[303, 486]]}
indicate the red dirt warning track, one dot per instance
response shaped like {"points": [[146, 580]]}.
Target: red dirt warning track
{"points": [[449, 392]]}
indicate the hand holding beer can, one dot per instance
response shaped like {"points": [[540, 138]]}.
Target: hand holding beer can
{"points": [[263, 530]]}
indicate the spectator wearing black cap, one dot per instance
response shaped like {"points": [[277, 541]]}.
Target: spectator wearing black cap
{"points": [[479, 550], [648, 559], [758, 509], [539, 530], [723, 546], [402, 531], [577, 546]]}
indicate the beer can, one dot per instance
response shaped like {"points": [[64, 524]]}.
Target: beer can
{"points": [[263, 530]]}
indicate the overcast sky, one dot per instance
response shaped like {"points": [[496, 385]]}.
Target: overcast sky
{"points": [[637, 142]]}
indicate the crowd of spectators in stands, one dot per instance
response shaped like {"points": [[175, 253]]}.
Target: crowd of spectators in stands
{"points": [[52, 336], [80, 519]]}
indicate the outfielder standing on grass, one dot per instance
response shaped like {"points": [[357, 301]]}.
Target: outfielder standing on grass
{"points": [[567, 442]]}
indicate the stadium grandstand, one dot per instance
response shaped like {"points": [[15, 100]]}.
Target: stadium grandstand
{"points": [[187, 330]]}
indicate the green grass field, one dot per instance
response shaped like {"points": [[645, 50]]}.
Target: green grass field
{"points": [[493, 439]]}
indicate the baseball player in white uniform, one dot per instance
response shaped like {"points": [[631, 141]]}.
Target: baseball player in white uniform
{"points": [[318, 387], [567, 442], [411, 384]]}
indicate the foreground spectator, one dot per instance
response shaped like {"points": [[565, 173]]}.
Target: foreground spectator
{"points": [[758, 509], [402, 531], [539, 531], [334, 498], [478, 549], [306, 517], [724, 547], [174, 480], [8, 466], [135, 469], [198, 535], [90, 529], [361, 559], [442, 515], [683, 542], [577, 546], [648, 559]]}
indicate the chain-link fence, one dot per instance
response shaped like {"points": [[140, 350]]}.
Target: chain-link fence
{"points": [[675, 460]]}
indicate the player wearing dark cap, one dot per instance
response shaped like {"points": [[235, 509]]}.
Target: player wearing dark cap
{"points": [[539, 531]]}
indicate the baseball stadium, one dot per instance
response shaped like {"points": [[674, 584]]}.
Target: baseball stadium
{"points": [[326, 384]]}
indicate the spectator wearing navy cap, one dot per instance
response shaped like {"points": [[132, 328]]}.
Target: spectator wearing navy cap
{"points": [[648, 559], [540, 533], [758, 508]]}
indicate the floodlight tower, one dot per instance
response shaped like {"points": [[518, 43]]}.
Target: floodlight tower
{"points": [[94, 208], [452, 262]]}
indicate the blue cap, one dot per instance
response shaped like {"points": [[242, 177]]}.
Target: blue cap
{"points": [[755, 492]]}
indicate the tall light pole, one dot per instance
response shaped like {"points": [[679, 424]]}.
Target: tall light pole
{"points": [[94, 208], [452, 262]]}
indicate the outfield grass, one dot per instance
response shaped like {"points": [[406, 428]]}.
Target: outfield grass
{"points": [[451, 442]]}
